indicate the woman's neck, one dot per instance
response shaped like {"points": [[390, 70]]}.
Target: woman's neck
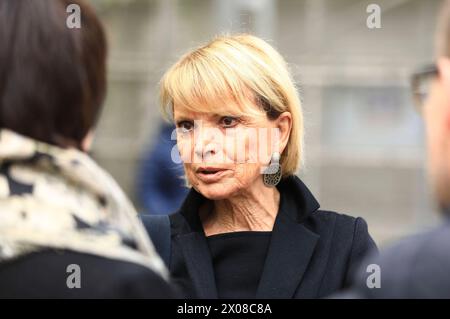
{"points": [[254, 209]]}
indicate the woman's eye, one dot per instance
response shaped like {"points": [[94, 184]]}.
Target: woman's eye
{"points": [[185, 126], [228, 121]]}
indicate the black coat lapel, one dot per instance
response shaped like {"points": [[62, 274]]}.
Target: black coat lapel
{"points": [[291, 247], [194, 246], [290, 251], [199, 264]]}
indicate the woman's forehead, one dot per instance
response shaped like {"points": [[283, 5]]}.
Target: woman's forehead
{"points": [[184, 112], [217, 108]]}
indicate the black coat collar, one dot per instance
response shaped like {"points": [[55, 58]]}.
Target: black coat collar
{"points": [[290, 249], [297, 198]]}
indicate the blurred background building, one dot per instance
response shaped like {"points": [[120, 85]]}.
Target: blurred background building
{"points": [[365, 152]]}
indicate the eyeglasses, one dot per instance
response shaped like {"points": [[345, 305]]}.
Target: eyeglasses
{"points": [[421, 82]]}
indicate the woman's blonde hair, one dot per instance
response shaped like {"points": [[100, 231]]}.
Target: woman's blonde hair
{"points": [[243, 69]]}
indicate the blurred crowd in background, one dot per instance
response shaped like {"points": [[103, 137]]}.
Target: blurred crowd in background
{"points": [[364, 142]]}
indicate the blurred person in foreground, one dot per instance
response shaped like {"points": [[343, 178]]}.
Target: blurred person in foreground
{"points": [[418, 266], [249, 227], [61, 215]]}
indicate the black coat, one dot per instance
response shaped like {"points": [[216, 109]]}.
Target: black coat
{"points": [[312, 253], [44, 275], [415, 267]]}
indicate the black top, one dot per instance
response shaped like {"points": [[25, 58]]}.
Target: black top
{"points": [[238, 260], [312, 253], [44, 274]]}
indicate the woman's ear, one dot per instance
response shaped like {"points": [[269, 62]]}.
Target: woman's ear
{"points": [[284, 124], [444, 83], [86, 143], [444, 72]]}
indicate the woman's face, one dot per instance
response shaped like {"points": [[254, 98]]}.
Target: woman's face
{"points": [[224, 155]]}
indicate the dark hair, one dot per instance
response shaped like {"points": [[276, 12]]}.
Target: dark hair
{"points": [[52, 78]]}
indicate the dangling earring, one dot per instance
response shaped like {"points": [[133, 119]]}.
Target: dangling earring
{"points": [[272, 174]]}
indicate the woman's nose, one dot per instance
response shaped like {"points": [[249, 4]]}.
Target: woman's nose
{"points": [[205, 145], [205, 151]]}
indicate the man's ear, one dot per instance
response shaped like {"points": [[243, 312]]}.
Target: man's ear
{"points": [[284, 124], [443, 64]]}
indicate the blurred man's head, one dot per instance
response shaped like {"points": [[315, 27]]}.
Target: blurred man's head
{"points": [[52, 78], [437, 112]]}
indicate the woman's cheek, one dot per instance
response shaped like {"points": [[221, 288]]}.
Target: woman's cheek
{"points": [[189, 174], [185, 147], [246, 174], [230, 148], [252, 147], [236, 146]]}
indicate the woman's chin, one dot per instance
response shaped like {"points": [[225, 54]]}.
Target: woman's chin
{"points": [[216, 191]]}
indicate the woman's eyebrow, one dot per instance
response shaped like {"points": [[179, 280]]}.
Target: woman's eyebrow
{"points": [[196, 116], [212, 116], [182, 117], [179, 118], [219, 115]]}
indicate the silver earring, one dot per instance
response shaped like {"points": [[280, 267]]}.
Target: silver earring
{"points": [[272, 174]]}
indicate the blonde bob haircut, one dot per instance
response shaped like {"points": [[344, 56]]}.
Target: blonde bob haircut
{"points": [[242, 69]]}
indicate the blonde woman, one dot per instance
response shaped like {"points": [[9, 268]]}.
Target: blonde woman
{"points": [[249, 227]]}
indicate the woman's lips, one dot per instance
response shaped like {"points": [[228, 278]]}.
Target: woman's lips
{"points": [[211, 175]]}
